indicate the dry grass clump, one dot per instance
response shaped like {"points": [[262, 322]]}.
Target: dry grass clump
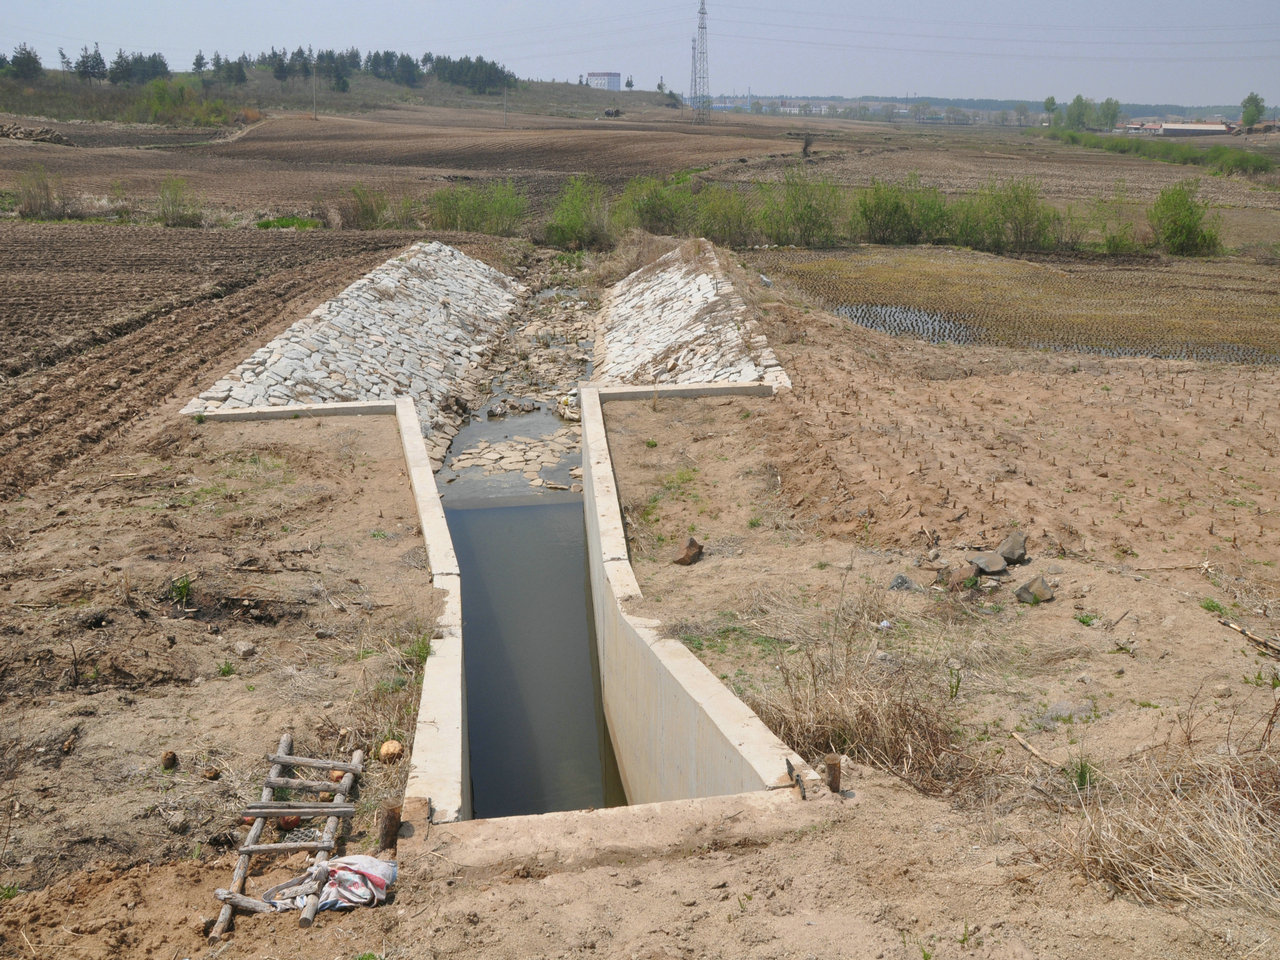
{"points": [[1188, 827], [838, 692]]}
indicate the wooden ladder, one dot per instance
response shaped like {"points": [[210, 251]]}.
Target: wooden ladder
{"points": [[266, 809]]}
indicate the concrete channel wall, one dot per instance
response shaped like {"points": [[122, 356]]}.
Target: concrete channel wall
{"points": [[677, 731]]}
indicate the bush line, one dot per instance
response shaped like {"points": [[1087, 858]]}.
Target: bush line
{"points": [[1219, 158]]}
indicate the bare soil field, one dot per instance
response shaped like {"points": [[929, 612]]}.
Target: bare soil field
{"points": [[200, 593], [291, 163], [1147, 490]]}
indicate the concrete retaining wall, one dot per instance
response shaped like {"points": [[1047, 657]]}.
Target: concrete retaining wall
{"points": [[677, 731]]}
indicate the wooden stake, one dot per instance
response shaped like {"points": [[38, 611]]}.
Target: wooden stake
{"points": [[833, 772]]}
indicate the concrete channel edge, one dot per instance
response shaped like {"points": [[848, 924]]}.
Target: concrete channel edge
{"points": [[677, 731]]}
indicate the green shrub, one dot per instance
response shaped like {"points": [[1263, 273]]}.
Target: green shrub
{"points": [[496, 208], [803, 211], [580, 220], [930, 210], [654, 206], [1181, 223], [367, 209], [178, 208], [1008, 217], [39, 196], [906, 212], [1027, 221], [723, 216], [886, 214]]}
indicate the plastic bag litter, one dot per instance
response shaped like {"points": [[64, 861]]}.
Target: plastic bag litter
{"points": [[354, 881]]}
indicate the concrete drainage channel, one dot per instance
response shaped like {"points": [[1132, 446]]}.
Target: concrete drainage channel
{"points": [[557, 699]]}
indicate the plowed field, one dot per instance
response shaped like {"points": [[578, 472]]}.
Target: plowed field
{"points": [[101, 324]]}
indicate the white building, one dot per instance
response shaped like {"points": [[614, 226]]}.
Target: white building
{"points": [[605, 81]]}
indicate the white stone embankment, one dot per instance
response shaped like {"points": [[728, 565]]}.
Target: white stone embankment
{"points": [[679, 320], [423, 325]]}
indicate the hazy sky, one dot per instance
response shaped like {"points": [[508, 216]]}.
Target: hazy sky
{"points": [[1145, 51]]}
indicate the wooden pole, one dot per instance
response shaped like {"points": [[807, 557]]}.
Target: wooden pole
{"points": [[242, 865], [330, 829]]}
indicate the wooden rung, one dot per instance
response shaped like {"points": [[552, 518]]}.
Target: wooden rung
{"points": [[244, 903], [290, 847], [288, 761], [299, 808], [310, 786]]}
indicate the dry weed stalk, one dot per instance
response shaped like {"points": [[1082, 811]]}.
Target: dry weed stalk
{"points": [[836, 694], [1188, 826]]}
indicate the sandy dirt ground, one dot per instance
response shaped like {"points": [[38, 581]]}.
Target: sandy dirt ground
{"points": [[1147, 490]]}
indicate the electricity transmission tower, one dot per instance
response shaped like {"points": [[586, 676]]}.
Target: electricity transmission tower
{"points": [[700, 84]]}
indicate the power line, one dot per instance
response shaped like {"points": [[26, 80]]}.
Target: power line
{"points": [[1002, 55]]}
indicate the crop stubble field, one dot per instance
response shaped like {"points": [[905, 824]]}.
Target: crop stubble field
{"points": [[1119, 468]]}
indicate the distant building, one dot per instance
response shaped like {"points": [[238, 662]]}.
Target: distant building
{"points": [[1166, 129], [605, 81], [1193, 129]]}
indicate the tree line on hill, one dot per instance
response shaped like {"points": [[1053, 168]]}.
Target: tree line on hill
{"points": [[335, 67]]}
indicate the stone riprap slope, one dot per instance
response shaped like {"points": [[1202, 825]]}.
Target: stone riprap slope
{"points": [[678, 320], [423, 324]]}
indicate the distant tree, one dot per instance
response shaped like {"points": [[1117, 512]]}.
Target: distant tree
{"points": [[138, 68], [407, 73], [279, 66], [65, 61], [887, 111], [4, 63], [235, 72], [581, 81], [216, 63], [662, 87], [1078, 113], [630, 83], [1252, 109], [300, 64], [1108, 113], [1023, 113], [757, 106], [1051, 108], [25, 63], [199, 64], [919, 110], [118, 72]]}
